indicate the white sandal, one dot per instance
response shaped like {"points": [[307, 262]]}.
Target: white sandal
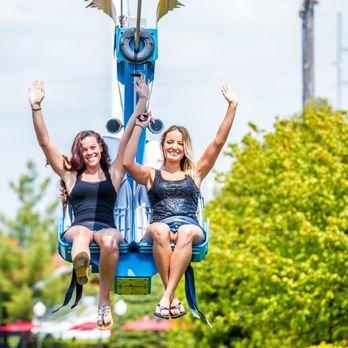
{"points": [[104, 313]]}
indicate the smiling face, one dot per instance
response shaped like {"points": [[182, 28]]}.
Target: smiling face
{"points": [[177, 148], [173, 146], [91, 151]]}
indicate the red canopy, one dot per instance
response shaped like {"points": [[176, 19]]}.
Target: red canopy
{"points": [[147, 324], [19, 326], [88, 325]]}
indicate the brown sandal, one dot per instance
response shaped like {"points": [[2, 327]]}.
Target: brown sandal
{"points": [[80, 264]]}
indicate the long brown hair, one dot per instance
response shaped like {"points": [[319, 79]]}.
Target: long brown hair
{"points": [[187, 164], [76, 164]]}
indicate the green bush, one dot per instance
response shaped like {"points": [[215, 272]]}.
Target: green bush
{"points": [[138, 339], [276, 272], [60, 343], [335, 345]]}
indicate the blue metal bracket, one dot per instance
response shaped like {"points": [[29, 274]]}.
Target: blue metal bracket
{"points": [[126, 72]]}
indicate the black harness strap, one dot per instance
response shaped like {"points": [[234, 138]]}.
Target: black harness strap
{"points": [[69, 293]]}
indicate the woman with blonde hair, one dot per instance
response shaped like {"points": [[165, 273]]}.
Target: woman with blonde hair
{"points": [[173, 193], [91, 184]]}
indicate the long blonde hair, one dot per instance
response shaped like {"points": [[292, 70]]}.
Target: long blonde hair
{"points": [[187, 164]]}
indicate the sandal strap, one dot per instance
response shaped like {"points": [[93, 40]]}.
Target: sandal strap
{"points": [[104, 309], [162, 307], [158, 312], [177, 306]]}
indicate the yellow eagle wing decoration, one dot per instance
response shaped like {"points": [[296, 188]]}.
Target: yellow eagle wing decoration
{"points": [[106, 6], [164, 6]]}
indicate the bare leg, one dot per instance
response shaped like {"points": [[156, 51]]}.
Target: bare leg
{"points": [[186, 236], [80, 237], [159, 234], [108, 240]]}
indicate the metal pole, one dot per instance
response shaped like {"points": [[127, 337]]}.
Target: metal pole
{"points": [[307, 15], [339, 60], [122, 17], [137, 29]]}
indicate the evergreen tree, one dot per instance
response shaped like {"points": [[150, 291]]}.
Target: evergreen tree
{"points": [[27, 248]]}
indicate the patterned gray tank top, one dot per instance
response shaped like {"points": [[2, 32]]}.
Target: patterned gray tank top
{"points": [[173, 197]]}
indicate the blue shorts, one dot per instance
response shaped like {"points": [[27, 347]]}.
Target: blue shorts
{"points": [[174, 222]]}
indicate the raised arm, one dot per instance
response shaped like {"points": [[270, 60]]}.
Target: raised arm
{"points": [[211, 153], [140, 173], [117, 169], [54, 157]]}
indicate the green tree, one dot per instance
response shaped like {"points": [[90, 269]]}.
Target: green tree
{"points": [[27, 248], [277, 264]]}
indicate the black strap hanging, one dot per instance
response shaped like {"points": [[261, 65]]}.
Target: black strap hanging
{"points": [[69, 293]]}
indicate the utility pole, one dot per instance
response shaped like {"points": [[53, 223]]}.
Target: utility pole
{"points": [[307, 15], [340, 50]]}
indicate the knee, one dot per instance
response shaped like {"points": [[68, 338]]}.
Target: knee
{"points": [[161, 234], [82, 234], [185, 235], [108, 244]]}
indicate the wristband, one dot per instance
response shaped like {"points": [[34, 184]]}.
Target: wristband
{"points": [[139, 126], [38, 109], [143, 117]]}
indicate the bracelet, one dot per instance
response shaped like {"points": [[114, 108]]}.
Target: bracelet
{"points": [[139, 126], [38, 109]]}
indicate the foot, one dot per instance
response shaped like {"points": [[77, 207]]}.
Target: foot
{"points": [[80, 264], [176, 309], [162, 312], [104, 319]]}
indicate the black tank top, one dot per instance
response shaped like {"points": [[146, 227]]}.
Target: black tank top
{"points": [[93, 201], [169, 198]]}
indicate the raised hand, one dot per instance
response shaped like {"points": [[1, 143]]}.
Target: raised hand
{"points": [[229, 95], [36, 93], [142, 88], [144, 119]]}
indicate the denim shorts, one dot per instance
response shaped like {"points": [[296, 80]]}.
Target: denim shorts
{"points": [[174, 222]]}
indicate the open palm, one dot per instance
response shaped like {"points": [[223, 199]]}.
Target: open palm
{"points": [[141, 87], [229, 95], [36, 93]]}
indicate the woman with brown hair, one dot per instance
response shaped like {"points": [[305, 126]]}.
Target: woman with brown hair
{"points": [[173, 193], [91, 184]]}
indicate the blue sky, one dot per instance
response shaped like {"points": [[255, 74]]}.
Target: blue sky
{"points": [[254, 45]]}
